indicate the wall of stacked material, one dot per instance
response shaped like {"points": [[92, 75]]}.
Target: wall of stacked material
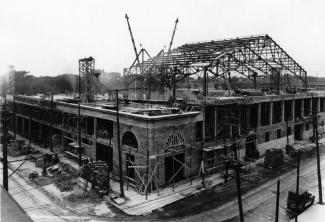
{"points": [[96, 173]]}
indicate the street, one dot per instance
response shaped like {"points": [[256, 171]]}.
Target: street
{"points": [[37, 204], [265, 209], [259, 203]]}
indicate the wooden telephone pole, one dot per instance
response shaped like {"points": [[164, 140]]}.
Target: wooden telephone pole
{"points": [[277, 201], [119, 145], [51, 124], [315, 125], [4, 145], [240, 204]]}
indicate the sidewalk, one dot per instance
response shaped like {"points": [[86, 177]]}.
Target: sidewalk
{"points": [[136, 203], [315, 213], [10, 209]]}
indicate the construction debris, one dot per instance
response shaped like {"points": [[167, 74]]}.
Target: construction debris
{"points": [[65, 178], [92, 196]]}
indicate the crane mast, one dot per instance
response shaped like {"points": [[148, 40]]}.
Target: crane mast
{"points": [[134, 46], [172, 39]]}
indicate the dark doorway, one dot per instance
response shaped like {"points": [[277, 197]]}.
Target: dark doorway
{"points": [[130, 140], [173, 165], [298, 132], [129, 165], [104, 153], [250, 145]]}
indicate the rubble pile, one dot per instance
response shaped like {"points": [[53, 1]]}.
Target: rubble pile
{"points": [[92, 196], [65, 178], [18, 148], [96, 173]]}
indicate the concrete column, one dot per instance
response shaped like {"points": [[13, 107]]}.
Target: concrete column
{"points": [[215, 122], [40, 132], [282, 111], [271, 113], [302, 107], [248, 117], [318, 104], [95, 127], [22, 127], [293, 109], [16, 123], [203, 123], [62, 131], [259, 115], [311, 106]]}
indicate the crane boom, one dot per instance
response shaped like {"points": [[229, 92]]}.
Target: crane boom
{"points": [[134, 46], [172, 39]]}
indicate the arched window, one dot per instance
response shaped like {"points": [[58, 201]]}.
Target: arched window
{"points": [[130, 140], [174, 140]]}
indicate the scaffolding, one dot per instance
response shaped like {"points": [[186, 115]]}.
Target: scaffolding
{"points": [[147, 178], [87, 76]]}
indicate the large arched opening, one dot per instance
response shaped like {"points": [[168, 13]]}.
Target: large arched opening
{"points": [[129, 139]]}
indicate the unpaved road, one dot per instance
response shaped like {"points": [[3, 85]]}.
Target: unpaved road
{"points": [[37, 204], [258, 203]]}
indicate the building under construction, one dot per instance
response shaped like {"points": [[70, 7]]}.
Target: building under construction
{"points": [[169, 130]]}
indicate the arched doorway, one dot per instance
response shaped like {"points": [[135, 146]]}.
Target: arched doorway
{"points": [[129, 139], [250, 145], [174, 164]]}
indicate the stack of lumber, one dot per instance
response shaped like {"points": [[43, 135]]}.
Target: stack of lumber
{"points": [[273, 158]]}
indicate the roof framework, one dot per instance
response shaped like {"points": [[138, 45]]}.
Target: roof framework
{"points": [[252, 57]]}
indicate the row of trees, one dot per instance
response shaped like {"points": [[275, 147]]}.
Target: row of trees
{"points": [[65, 83], [29, 84]]}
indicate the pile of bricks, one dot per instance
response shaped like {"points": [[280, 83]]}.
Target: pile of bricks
{"points": [[65, 178]]}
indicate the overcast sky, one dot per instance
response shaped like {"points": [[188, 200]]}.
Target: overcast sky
{"points": [[48, 37]]}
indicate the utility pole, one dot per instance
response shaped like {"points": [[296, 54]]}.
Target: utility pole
{"points": [[298, 166], [287, 123], [79, 134], [147, 172], [205, 82], [4, 144], [240, 205], [44, 173], [315, 125], [297, 183], [79, 129], [119, 144], [277, 201], [30, 129], [108, 177], [15, 117], [109, 168], [51, 124], [202, 163]]}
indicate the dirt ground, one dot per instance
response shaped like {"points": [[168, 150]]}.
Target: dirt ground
{"points": [[208, 199]]}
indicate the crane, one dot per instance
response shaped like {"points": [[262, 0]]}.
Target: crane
{"points": [[172, 39], [134, 46]]}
